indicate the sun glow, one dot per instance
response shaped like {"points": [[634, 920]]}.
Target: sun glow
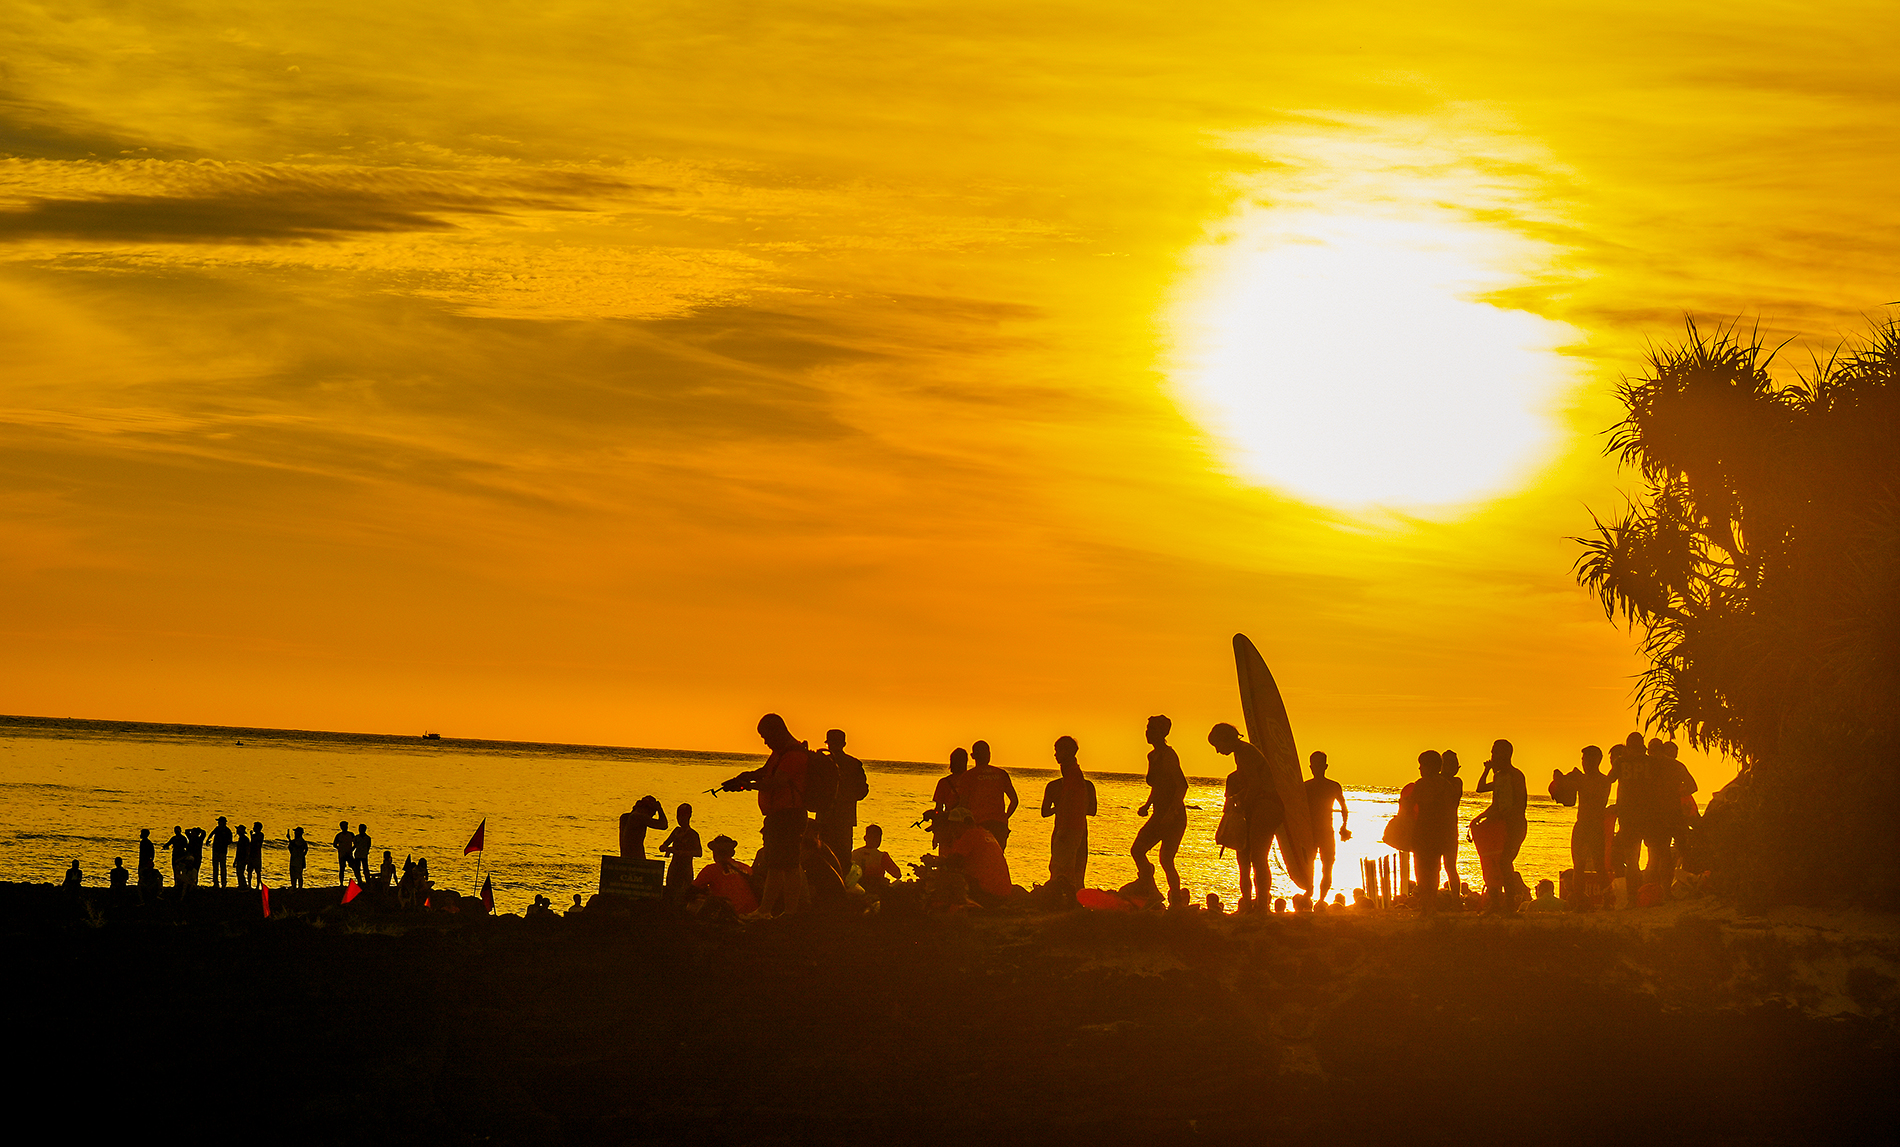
{"points": [[1343, 336]]}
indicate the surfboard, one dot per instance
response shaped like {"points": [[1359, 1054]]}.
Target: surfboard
{"points": [[1269, 731]]}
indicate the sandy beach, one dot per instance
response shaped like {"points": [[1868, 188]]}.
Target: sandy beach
{"points": [[1691, 1023]]}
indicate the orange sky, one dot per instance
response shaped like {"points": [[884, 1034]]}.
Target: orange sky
{"points": [[613, 373]]}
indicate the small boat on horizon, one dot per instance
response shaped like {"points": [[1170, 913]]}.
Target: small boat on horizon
{"points": [[432, 736]]}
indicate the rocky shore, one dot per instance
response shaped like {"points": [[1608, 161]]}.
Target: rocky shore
{"points": [[357, 1024]]}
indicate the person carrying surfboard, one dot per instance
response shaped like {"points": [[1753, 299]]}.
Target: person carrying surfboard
{"points": [[1165, 808], [1252, 794]]}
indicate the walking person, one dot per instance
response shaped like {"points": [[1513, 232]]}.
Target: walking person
{"points": [[1165, 808], [1070, 799], [1321, 796], [1256, 799]]}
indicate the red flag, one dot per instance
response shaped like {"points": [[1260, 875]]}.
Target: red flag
{"points": [[488, 894], [265, 889], [475, 842], [352, 892]]}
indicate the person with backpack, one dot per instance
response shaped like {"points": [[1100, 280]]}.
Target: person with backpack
{"points": [[784, 800], [838, 821]]}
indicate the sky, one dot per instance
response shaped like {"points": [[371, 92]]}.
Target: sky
{"points": [[615, 373]]}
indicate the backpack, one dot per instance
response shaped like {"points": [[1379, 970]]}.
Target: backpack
{"points": [[852, 784], [821, 782]]}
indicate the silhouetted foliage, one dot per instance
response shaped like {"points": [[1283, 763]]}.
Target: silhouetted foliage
{"points": [[1762, 563]]}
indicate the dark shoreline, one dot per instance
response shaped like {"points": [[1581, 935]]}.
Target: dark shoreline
{"points": [[1684, 1025]]}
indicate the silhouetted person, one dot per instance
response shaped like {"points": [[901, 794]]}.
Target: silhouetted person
{"points": [[1509, 800], [73, 879], [1255, 798], [945, 796], [196, 839], [1588, 790], [345, 844], [241, 852], [180, 847], [838, 822], [386, 875], [682, 848], [1434, 825], [1165, 808], [1070, 799], [1546, 900], [726, 879], [359, 854], [220, 853], [118, 877], [780, 783], [988, 793], [1321, 796], [875, 867], [299, 853], [257, 852], [646, 814], [824, 876], [148, 855], [1455, 793]]}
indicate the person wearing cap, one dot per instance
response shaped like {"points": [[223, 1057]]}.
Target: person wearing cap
{"points": [[725, 878]]}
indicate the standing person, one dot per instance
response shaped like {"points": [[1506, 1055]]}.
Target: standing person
{"points": [[837, 823], [345, 844], [1670, 785], [682, 847], [1262, 814], [1070, 798], [945, 796], [359, 854], [988, 793], [1455, 793], [646, 814], [180, 847], [1165, 808], [220, 850], [1588, 789], [257, 852], [196, 839], [299, 855], [1321, 796], [1509, 800], [1435, 824], [780, 783], [241, 850], [148, 855], [1634, 804], [875, 867]]}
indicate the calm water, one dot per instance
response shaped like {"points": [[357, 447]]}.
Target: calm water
{"points": [[84, 790]]}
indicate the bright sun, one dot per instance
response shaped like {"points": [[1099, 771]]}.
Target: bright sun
{"points": [[1346, 353]]}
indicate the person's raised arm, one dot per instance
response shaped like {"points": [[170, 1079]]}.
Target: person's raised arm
{"points": [[1487, 780], [1009, 790]]}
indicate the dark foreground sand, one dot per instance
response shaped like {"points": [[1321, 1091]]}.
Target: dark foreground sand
{"points": [[1681, 1025]]}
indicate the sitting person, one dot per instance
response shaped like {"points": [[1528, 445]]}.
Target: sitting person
{"points": [[726, 879], [73, 878], [1546, 899], [975, 853], [118, 876], [386, 875], [874, 867]]}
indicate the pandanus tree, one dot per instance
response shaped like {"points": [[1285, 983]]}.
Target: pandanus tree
{"points": [[1761, 567]]}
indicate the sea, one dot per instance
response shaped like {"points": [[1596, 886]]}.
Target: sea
{"points": [[82, 789]]}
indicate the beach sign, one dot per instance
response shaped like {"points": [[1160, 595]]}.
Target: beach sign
{"points": [[632, 877]]}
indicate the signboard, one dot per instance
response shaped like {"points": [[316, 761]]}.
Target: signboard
{"points": [[633, 878]]}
